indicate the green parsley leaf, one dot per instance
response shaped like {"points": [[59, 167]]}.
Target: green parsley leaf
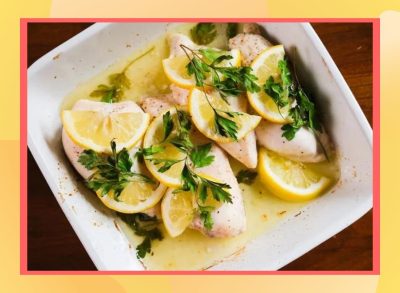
{"points": [[199, 69], [200, 155], [224, 126], [112, 172], [143, 248], [166, 164], [205, 216], [184, 122], [145, 226], [90, 159], [249, 79], [289, 131], [168, 124], [284, 93], [151, 150], [241, 78], [120, 80], [232, 30], [217, 190], [220, 59], [246, 176], [219, 193], [226, 88], [310, 110], [209, 54], [118, 83], [188, 178], [286, 76], [114, 92], [107, 93], [276, 92], [203, 33], [182, 142], [203, 192]]}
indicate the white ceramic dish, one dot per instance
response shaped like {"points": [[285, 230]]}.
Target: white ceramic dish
{"points": [[105, 43]]}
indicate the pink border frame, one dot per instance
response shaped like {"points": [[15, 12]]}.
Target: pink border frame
{"points": [[376, 145]]}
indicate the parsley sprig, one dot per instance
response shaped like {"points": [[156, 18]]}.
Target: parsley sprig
{"points": [[288, 92], [227, 81], [246, 176], [232, 30], [203, 33], [196, 156], [145, 226], [114, 91], [112, 172]]}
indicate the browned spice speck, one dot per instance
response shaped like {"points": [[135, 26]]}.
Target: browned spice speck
{"points": [[116, 225]]}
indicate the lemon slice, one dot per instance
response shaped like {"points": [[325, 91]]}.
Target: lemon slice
{"points": [[154, 136], [177, 211], [175, 68], [135, 198], [264, 66], [203, 116], [95, 129], [290, 180]]}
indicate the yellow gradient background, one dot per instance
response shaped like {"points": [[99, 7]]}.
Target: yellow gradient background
{"points": [[12, 281]]}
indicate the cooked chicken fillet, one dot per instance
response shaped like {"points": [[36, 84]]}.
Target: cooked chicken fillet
{"points": [[159, 104], [250, 45], [176, 40], [230, 218], [73, 150], [156, 105], [179, 96], [244, 150], [304, 147], [251, 28]]}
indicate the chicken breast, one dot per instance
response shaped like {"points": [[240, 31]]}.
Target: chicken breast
{"points": [[230, 218], [156, 105], [73, 150], [179, 96], [159, 104], [244, 150], [251, 28], [250, 45], [176, 40], [304, 147]]}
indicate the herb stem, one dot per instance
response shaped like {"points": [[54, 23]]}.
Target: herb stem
{"points": [[137, 58]]}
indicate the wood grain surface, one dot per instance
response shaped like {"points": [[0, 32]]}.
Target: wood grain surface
{"points": [[53, 245]]}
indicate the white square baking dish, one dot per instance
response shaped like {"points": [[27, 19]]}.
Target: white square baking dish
{"points": [[72, 63]]}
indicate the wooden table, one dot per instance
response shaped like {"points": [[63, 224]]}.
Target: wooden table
{"points": [[53, 245]]}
